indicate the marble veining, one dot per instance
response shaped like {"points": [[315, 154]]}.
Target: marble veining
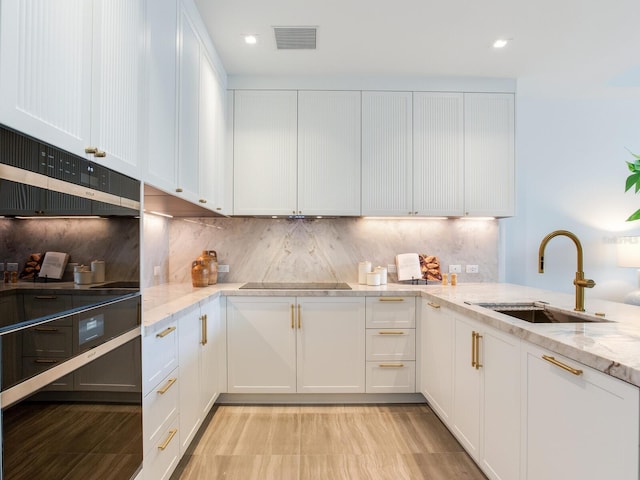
{"points": [[312, 250]]}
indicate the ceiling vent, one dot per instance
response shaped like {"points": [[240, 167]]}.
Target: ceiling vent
{"points": [[295, 38]]}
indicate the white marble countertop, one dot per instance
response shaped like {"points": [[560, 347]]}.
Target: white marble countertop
{"points": [[611, 347]]}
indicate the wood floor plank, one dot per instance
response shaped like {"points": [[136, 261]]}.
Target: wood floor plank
{"points": [[311, 442]]}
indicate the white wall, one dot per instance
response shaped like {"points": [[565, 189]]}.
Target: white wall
{"points": [[571, 147]]}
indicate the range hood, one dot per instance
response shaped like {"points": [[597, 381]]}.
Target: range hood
{"points": [[157, 201]]}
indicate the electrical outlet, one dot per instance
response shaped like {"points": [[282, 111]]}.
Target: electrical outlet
{"points": [[156, 271], [472, 268], [455, 269], [223, 268], [391, 268]]}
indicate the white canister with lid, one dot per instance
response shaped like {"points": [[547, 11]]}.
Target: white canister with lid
{"points": [[82, 275], [98, 269], [363, 269], [373, 279], [383, 274]]}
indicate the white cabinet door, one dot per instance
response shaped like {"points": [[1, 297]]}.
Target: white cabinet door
{"points": [[466, 388], [578, 425], [329, 153], [210, 350], [117, 74], [188, 107], [212, 136], [45, 70], [489, 154], [160, 159], [438, 154], [499, 355], [331, 345], [387, 162], [264, 152], [261, 344], [189, 338], [436, 347]]}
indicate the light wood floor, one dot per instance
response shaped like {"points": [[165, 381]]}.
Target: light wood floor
{"points": [[394, 442]]}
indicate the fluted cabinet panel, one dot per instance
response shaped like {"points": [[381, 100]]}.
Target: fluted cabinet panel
{"points": [[489, 154], [45, 69], [329, 152], [387, 171], [438, 153], [265, 155]]}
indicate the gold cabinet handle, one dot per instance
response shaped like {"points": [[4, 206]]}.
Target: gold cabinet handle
{"points": [[433, 305], [388, 332], [178, 190], [391, 365], [100, 154], [564, 366], [202, 200], [165, 444], [475, 350], [91, 150], [293, 325], [169, 384], [165, 332], [45, 360], [299, 317], [203, 330], [391, 299]]}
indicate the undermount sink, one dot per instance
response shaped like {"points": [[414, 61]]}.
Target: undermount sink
{"points": [[540, 312]]}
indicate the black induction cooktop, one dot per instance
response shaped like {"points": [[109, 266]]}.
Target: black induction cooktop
{"points": [[295, 286]]}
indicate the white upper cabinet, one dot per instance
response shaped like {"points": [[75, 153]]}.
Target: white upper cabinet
{"points": [[387, 165], [329, 153], [264, 149], [438, 154], [71, 76], [160, 161], [489, 180]]}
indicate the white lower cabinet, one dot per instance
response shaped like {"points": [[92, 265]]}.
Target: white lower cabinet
{"points": [[296, 344], [183, 360], [580, 423]]}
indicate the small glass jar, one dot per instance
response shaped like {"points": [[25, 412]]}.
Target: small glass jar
{"points": [[210, 259], [11, 274], [199, 274]]}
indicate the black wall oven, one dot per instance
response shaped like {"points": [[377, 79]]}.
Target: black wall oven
{"points": [[71, 386]]}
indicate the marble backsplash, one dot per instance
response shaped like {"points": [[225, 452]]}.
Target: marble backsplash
{"points": [[280, 250], [114, 240]]}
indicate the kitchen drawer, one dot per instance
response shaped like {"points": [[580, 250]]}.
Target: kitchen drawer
{"points": [[391, 312], [36, 306], [391, 377], [159, 352], [32, 366], [50, 340], [396, 344], [160, 406], [161, 459]]}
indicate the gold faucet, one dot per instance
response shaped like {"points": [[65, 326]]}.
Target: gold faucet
{"points": [[580, 282]]}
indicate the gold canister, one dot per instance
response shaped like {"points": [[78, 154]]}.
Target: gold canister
{"points": [[199, 274]]}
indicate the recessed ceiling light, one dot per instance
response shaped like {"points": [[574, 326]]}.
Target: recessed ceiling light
{"points": [[500, 43], [250, 39]]}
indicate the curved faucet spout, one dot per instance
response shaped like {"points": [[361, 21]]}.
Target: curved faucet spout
{"points": [[580, 282]]}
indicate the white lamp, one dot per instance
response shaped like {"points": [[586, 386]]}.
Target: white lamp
{"points": [[629, 256]]}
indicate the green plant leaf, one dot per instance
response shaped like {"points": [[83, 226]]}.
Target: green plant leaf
{"points": [[633, 179], [635, 216], [632, 167]]}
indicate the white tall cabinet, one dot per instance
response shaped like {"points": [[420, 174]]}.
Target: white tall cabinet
{"points": [[279, 345], [489, 182], [72, 73]]}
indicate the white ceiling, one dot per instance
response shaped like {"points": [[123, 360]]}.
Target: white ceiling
{"points": [[598, 40]]}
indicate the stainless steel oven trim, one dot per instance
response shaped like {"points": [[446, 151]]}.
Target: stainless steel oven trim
{"points": [[75, 311], [33, 384]]}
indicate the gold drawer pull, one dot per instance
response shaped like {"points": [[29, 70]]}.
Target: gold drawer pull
{"points": [[299, 317], [46, 329], [169, 384], [557, 363], [44, 360], [165, 444], [391, 299], [165, 332], [293, 325], [387, 332], [391, 365], [433, 305]]}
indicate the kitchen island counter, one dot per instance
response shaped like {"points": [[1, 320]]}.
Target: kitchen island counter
{"points": [[611, 347]]}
